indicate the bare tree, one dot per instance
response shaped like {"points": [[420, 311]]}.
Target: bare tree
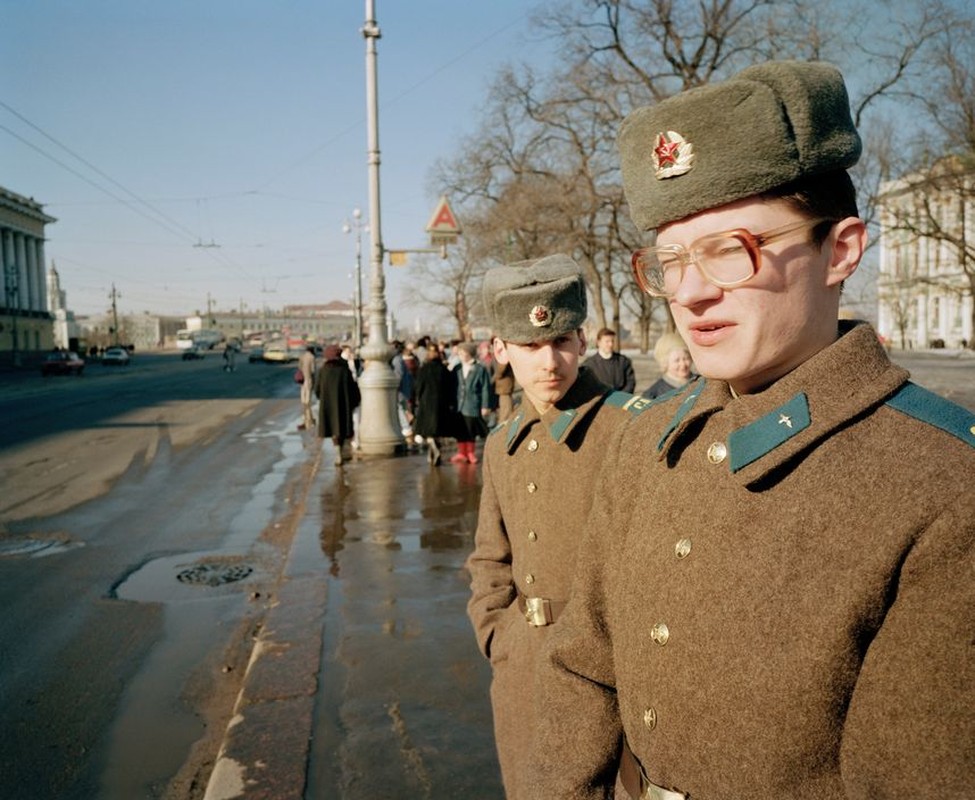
{"points": [[450, 287], [542, 171], [930, 209]]}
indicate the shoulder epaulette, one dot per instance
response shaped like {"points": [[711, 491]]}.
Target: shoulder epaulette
{"points": [[925, 405]]}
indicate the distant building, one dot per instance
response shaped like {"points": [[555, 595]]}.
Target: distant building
{"points": [[25, 320], [328, 322], [927, 257], [145, 331], [65, 328]]}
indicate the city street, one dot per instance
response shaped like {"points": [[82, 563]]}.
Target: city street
{"points": [[165, 525], [149, 519]]}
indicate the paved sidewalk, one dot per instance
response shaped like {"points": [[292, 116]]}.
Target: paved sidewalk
{"points": [[372, 600]]}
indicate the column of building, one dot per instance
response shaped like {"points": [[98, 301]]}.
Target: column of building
{"points": [[26, 319]]}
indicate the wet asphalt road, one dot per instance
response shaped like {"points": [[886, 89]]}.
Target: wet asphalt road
{"points": [[111, 665]]}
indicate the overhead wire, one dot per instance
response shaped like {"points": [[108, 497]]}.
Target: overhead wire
{"points": [[157, 217]]}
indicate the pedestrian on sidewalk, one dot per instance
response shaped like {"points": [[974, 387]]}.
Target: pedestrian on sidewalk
{"points": [[539, 472], [434, 398], [338, 397], [306, 367], [611, 367], [674, 360], [775, 597], [473, 402]]}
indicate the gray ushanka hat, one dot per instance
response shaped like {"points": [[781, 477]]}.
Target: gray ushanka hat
{"points": [[533, 301], [766, 126]]}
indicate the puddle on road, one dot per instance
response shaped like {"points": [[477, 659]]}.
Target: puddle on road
{"points": [[160, 581], [206, 596], [188, 577]]}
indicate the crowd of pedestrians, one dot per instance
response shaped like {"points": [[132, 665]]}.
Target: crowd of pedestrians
{"points": [[447, 391]]}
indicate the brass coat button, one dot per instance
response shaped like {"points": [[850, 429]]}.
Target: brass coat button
{"points": [[532, 488], [529, 579], [683, 548], [532, 536], [717, 453], [650, 718], [660, 633], [532, 446]]}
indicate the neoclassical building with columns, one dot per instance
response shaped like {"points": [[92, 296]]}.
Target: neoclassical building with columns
{"points": [[25, 321]]}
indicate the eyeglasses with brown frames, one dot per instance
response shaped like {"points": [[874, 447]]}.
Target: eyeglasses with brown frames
{"points": [[727, 259]]}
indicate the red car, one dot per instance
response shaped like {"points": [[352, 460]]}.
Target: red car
{"points": [[62, 362]]}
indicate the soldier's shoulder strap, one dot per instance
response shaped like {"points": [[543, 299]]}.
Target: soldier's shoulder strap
{"points": [[931, 408]]}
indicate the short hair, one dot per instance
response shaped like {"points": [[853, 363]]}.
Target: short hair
{"points": [[831, 195], [605, 332]]}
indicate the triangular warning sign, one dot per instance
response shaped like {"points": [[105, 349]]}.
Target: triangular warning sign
{"points": [[443, 219]]}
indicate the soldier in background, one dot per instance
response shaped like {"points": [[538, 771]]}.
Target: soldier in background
{"points": [[539, 471]]}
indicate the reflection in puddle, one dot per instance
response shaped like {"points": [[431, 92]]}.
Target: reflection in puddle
{"points": [[31, 547]]}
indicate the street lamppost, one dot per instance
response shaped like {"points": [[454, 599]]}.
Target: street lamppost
{"points": [[357, 227], [380, 432], [13, 307]]}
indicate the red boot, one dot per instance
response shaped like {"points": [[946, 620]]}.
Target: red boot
{"points": [[471, 456], [460, 457]]}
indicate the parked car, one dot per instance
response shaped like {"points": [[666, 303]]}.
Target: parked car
{"points": [[62, 362], [193, 352], [256, 353], [277, 351], [118, 356]]}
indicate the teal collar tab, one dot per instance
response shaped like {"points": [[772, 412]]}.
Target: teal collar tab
{"points": [[514, 424], [561, 423], [760, 437], [682, 411]]}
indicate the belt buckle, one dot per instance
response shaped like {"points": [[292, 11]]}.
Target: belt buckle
{"points": [[537, 611]]}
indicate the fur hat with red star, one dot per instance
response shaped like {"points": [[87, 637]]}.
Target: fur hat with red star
{"points": [[767, 126], [532, 301]]}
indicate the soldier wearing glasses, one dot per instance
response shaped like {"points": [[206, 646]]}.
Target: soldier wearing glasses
{"points": [[777, 595]]}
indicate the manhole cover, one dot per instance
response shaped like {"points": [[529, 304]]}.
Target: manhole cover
{"points": [[214, 574]]}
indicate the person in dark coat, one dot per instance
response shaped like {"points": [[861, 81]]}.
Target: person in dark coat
{"points": [[473, 402], [434, 401], [338, 397], [611, 367]]}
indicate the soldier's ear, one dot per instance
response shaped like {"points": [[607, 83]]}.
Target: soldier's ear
{"points": [[847, 242], [582, 342], [500, 351]]}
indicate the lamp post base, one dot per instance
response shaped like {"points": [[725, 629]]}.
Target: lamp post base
{"points": [[379, 425]]}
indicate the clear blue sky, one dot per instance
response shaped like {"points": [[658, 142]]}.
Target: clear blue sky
{"points": [[149, 127]]}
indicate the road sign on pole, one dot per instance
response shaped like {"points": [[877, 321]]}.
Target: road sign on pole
{"points": [[443, 226]]}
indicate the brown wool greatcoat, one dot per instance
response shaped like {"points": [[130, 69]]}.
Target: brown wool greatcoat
{"points": [[777, 595], [538, 479]]}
